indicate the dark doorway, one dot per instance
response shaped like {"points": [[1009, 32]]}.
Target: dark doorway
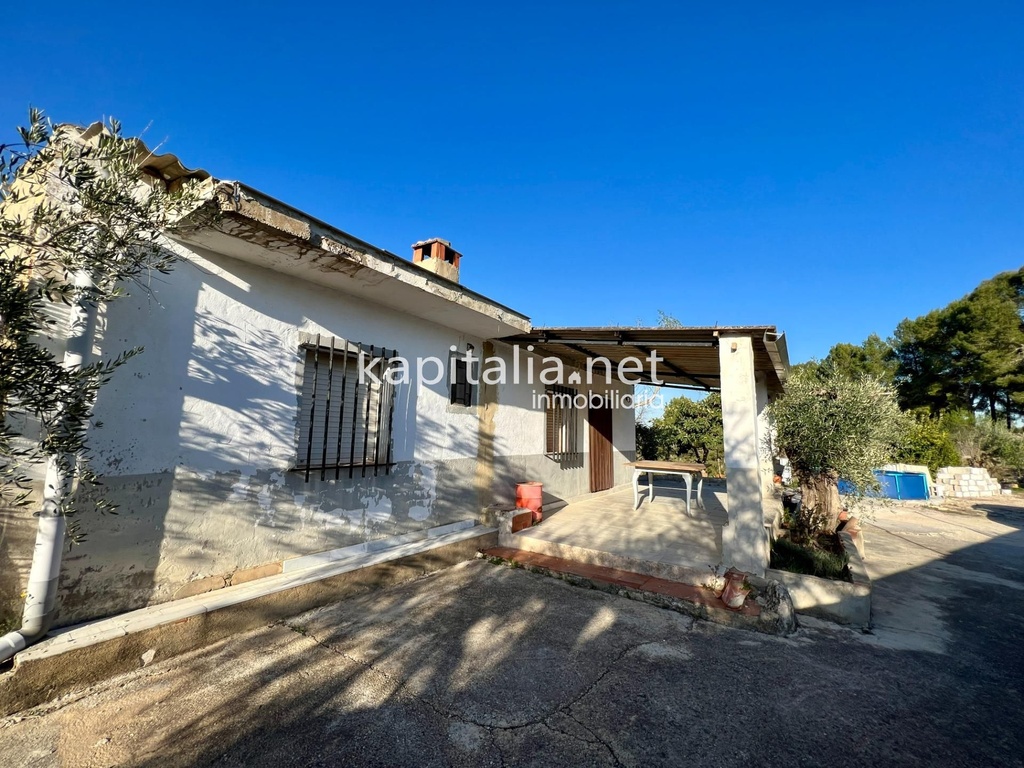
{"points": [[602, 468]]}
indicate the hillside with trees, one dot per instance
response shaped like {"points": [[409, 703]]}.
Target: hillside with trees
{"points": [[957, 373], [968, 355]]}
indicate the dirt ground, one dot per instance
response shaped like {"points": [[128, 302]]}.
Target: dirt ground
{"points": [[977, 507]]}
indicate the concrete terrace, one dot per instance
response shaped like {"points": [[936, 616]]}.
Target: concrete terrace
{"points": [[657, 539]]}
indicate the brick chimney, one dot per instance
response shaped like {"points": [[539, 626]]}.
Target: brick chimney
{"points": [[437, 256]]}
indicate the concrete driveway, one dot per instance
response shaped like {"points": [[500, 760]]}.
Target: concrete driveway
{"points": [[485, 665]]}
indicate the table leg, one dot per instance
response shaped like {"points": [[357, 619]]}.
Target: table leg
{"points": [[700, 492], [636, 489], [686, 481], [650, 486]]}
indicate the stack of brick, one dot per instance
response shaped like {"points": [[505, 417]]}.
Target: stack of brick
{"points": [[965, 483]]}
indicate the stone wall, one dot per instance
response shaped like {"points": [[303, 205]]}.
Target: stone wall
{"points": [[965, 483]]}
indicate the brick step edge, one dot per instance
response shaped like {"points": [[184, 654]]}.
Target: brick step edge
{"points": [[768, 608]]}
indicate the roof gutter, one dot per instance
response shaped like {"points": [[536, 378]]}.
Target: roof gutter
{"points": [[778, 353]]}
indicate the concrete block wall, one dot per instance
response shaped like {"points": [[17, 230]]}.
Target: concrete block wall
{"points": [[965, 483]]}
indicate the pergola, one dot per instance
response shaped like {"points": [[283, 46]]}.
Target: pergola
{"points": [[691, 355], [747, 364]]}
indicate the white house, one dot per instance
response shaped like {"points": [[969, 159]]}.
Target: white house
{"points": [[242, 436], [302, 391]]}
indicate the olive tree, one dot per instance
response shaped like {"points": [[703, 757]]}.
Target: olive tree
{"points": [[833, 426], [81, 219]]}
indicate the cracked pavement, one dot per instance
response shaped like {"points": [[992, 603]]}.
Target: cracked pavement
{"points": [[482, 665]]}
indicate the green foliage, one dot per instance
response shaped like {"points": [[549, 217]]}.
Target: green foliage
{"points": [[985, 443], [831, 425], [79, 220], [688, 430], [968, 355], [1003, 450], [647, 441], [873, 357], [812, 366], [929, 443], [811, 560]]}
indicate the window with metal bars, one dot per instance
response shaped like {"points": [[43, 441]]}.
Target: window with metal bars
{"points": [[344, 423], [460, 387], [562, 425]]}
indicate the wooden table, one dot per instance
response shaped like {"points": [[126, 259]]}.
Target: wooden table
{"points": [[679, 468]]}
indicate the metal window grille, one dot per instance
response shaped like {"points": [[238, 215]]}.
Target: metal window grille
{"points": [[461, 387], [562, 424], [345, 423]]}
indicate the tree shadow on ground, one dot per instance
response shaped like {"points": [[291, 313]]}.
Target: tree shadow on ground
{"points": [[481, 664]]}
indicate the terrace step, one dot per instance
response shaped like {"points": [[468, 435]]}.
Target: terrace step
{"points": [[649, 566], [761, 612]]}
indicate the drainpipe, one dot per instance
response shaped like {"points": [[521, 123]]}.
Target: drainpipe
{"points": [[41, 594]]}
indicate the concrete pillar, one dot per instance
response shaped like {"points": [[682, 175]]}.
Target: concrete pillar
{"points": [[744, 542], [765, 437]]}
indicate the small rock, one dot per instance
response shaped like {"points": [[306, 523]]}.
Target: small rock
{"points": [[777, 613]]}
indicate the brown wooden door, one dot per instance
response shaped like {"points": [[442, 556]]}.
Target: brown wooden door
{"points": [[602, 468]]}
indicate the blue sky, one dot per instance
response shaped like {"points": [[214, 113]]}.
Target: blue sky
{"points": [[829, 170]]}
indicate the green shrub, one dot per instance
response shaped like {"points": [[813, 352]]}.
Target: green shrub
{"points": [[928, 442], [985, 443], [809, 560], [1003, 452]]}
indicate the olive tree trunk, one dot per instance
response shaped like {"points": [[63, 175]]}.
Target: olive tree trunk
{"points": [[820, 507]]}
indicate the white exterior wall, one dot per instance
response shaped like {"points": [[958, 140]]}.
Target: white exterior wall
{"points": [[216, 386], [520, 435], [200, 431]]}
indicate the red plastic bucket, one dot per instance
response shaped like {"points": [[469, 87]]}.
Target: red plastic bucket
{"points": [[531, 496]]}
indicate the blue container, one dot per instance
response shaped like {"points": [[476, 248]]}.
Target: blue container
{"points": [[890, 484], [895, 485], [912, 486], [846, 488]]}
